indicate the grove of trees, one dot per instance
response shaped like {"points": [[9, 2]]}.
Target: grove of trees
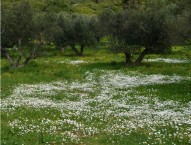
{"points": [[141, 28]]}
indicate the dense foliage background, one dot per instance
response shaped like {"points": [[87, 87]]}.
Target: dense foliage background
{"points": [[131, 26]]}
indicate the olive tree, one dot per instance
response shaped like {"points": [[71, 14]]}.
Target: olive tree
{"points": [[141, 30], [17, 31], [179, 26], [96, 28], [61, 35], [82, 35], [45, 29], [74, 31]]}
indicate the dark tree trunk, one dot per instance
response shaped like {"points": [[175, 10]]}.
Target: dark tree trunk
{"points": [[98, 38], [128, 57], [81, 50], [27, 60], [141, 56], [75, 50]]}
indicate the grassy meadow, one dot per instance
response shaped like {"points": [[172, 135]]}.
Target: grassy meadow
{"points": [[97, 100]]}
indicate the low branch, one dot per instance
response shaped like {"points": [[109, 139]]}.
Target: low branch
{"points": [[31, 56], [19, 48], [21, 52], [10, 59], [18, 61]]}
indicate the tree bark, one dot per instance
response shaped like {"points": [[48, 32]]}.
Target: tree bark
{"points": [[141, 56], [18, 61], [19, 48], [32, 56], [128, 58], [81, 50], [11, 61], [20, 53], [75, 50]]}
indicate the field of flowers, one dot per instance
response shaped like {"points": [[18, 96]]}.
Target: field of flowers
{"points": [[118, 105]]}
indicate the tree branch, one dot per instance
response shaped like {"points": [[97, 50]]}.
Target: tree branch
{"points": [[18, 61], [10, 59], [31, 56], [19, 48]]}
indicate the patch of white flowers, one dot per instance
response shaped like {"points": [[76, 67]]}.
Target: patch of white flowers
{"points": [[73, 62], [102, 104], [168, 60]]}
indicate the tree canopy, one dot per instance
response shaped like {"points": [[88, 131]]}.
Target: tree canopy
{"points": [[144, 27]]}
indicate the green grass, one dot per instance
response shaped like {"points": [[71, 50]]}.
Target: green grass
{"points": [[57, 67], [181, 91]]}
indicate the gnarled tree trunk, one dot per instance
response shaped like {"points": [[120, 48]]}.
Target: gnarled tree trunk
{"points": [[17, 62], [31, 56], [75, 50], [81, 50], [141, 56], [128, 58]]}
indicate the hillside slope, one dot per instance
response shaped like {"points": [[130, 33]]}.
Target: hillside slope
{"points": [[72, 6]]}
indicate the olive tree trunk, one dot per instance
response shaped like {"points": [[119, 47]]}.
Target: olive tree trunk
{"points": [[75, 50], [128, 58], [81, 50], [141, 56]]}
